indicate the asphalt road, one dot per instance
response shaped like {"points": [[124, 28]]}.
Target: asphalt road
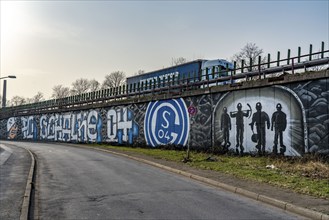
{"points": [[14, 168], [79, 183]]}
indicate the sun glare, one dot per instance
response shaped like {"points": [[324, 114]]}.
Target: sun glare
{"points": [[13, 20]]}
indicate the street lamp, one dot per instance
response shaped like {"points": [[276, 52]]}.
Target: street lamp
{"points": [[11, 76], [5, 89]]}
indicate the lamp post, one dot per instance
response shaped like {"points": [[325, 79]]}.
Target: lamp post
{"points": [[5, 89]]}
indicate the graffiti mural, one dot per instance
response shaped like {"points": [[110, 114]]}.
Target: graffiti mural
{"points": [[121, 127], [289, 120], [314, 96], [82, 126], [12, 128], [166, 122], [260, 120], [29, 127], [76, 127], [200, 121]]}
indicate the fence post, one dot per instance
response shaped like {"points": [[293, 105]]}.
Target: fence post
{"points": [[268, 60], [310, 55], [288, 57], [207, 76], [259, 61], [242, 65], [278, 59], [250, 63], [139, 87], [158, 83], [322, 49], [299, 51]]}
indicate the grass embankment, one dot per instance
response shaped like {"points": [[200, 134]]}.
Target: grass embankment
{"points": [[304, 175]]}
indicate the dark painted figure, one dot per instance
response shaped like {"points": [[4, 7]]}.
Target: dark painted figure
{"points": [[225, 126], [239, 126], [261, 119], [279, 123]]}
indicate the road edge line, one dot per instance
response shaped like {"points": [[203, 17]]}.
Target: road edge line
{"points": [[28, 190], [252, 195]]}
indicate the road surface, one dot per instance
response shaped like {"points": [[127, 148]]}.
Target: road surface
{"points": [[80, 183], [14, 168]]}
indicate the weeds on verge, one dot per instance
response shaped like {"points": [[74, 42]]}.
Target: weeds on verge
{"points": [[308, 174]]}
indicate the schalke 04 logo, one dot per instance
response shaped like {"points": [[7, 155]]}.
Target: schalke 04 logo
{"points": [[166, 122]]}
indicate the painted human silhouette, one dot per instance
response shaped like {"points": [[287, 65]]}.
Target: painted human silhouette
{"points": [[225, 126], [261, 119], [239, 126], [279, 123]]}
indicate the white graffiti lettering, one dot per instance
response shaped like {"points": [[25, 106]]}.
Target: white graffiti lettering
{"points": [[82, 127], [92, 123], [28, 127], [112, 125], [120, 126]]}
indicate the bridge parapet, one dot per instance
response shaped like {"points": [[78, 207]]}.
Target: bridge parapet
{"points": [[262, 108]]}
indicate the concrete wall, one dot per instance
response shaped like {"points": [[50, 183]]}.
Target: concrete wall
{"points": [[293, 117]]}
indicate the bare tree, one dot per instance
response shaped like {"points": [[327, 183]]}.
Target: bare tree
{"points": [[94, 85], [38, 97], [17, 100], [60, 91], [139, 72], [250, 50], [178, 61], [114, 79], [80, 86]]}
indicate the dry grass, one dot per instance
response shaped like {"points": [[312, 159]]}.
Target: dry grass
{"points": [[308, 175], [311, 169]]}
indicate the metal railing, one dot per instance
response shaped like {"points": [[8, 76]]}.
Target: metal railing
{"points": [[173, 84]]}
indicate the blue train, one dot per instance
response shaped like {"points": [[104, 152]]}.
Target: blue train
{"points": [[193, 71]]}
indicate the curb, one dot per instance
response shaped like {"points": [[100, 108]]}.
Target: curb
{"points": [[258, 197], [28, 190]]}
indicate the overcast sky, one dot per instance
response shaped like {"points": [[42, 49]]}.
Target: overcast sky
{"points": [[47, 43]]}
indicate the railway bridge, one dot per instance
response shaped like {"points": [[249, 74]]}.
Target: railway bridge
{"points": [[282, 109]]}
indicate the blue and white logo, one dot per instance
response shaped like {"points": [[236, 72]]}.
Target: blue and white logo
{"points": [[166, 122]]}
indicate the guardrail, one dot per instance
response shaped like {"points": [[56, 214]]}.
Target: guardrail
{"points": [[172, 84]]}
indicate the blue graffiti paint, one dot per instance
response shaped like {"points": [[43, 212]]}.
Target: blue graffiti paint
{"points": [[166, 122], [29, 128], [99, 129], [67, 125], [121, 127]]}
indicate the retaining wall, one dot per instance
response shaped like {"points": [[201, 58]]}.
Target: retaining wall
{"points": [[290, 116]]}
